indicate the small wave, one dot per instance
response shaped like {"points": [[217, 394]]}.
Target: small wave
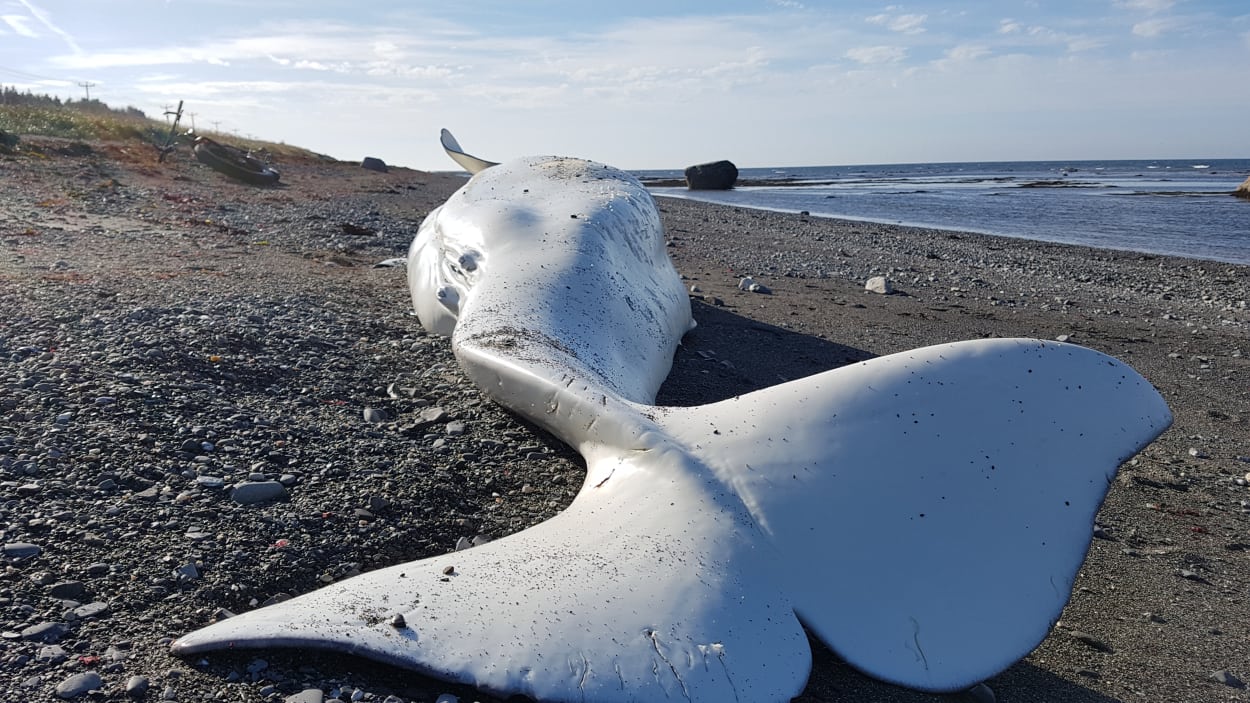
{"points": [[1061, 184], [1201, 166], [1179, 193]]}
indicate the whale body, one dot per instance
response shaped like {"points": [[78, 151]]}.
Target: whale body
{"points": [[959, 482]]}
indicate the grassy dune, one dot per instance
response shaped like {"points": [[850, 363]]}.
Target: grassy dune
{"points": [[76, 123]]}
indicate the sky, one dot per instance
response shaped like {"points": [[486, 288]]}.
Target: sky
{"points": [[664, 84]]}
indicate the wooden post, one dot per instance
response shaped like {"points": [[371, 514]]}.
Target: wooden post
{"points": [[173, 127]]}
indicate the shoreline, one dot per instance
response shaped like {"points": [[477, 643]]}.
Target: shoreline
{"points": [[938, 228], [197, 332]]}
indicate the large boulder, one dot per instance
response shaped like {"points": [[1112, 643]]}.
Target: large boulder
{"points": [[717, 175], [372, 163], [1243, 190]]}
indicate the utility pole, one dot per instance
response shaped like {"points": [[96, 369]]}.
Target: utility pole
{"points": [[168, 111], [192, 116], [215, 123], [86, 85]]}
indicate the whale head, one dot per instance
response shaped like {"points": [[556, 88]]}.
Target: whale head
{"points": [[444, 262]]}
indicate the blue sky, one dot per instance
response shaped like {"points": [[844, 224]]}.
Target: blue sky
{"points": [[646, 84]]}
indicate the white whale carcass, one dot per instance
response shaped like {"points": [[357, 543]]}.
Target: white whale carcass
{"points": [[924, 514]]}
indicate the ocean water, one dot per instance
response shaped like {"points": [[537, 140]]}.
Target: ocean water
{"points": [[1175, 207]]}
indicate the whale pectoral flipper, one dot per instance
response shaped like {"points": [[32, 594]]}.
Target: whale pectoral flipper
{"points": [[468, 162], [935, 505], [645, 589]]}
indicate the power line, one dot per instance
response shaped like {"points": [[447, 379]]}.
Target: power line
{"points": [[27, 75], [87, 86]]}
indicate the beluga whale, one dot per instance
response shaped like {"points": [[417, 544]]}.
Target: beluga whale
{"points": [[924, 514]]}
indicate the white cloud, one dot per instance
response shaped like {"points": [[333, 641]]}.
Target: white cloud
{"points": [[1156, 27], [906, 24], [20, 25], [1039, 35], [876, 54], [967, 52], [1079, 44], [46, 21], [1151, 6]]}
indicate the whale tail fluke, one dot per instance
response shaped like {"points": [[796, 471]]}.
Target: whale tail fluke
{"points": [[924, 514], [931, 508]]}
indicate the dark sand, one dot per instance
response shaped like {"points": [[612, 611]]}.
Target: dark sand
{"points": [[204, 310]]}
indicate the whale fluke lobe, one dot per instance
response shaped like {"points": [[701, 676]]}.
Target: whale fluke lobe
{"points": [[962, 478]]}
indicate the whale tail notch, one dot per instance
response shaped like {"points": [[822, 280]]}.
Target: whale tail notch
{"points": [[924, 514]]}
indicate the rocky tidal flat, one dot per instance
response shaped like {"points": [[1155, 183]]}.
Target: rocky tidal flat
{"points": [[211, 399]]}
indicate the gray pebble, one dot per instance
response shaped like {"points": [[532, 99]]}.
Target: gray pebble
{"points": [[43, 578], [1223, 676], [1090, 641], [78, 684], [21, 550], [256, 666], [376, 416], [137, 686], [91, 610], [431, 415], [308, 695], [68, 590], [253, 492], [45, 632], [52, 654]]}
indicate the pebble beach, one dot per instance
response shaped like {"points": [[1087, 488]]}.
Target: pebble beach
{"points": [[211, 398]]}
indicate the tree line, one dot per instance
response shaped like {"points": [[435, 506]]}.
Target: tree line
{"points": [[9, 95]]}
